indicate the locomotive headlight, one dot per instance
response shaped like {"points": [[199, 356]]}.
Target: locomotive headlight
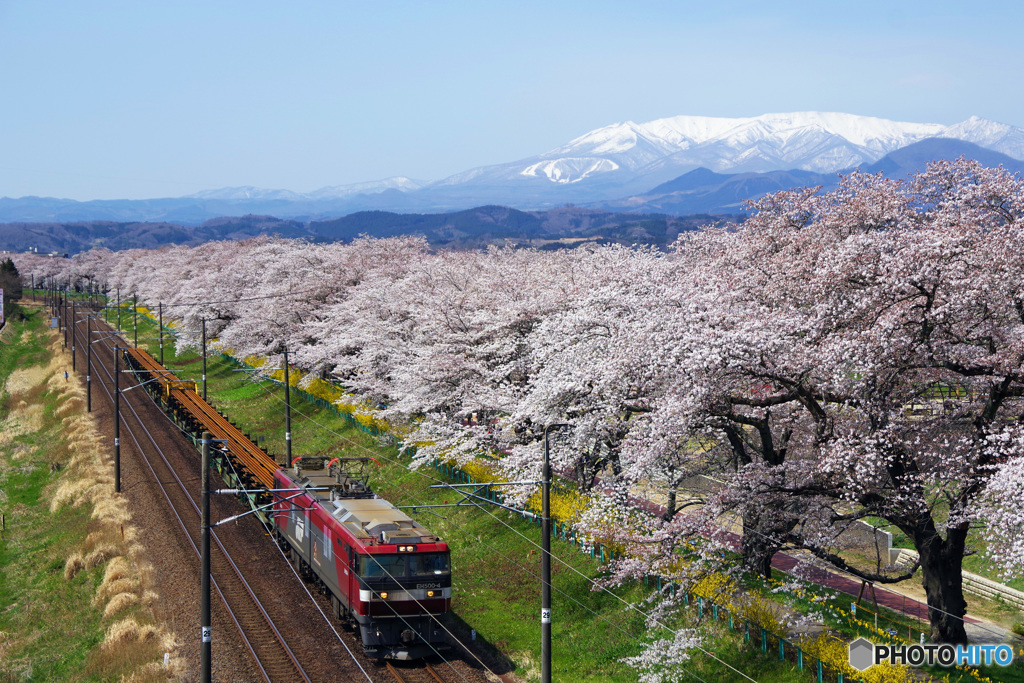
{"points": [[384, 595], [430, 594]]}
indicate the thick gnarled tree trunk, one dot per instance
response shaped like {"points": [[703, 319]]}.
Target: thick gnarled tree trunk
{"points": [[756, 548], [942, 577]]}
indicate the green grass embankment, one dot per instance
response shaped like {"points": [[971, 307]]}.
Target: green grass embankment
{"points": [[74, 599]]}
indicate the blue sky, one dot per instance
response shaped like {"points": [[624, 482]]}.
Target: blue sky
{"points": [[105, 100]]}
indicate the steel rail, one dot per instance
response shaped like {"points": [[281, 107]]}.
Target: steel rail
{"points": [[426, 668], [394, 672], [433, 673], [226, 555]]}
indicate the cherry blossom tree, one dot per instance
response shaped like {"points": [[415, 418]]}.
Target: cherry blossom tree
{"points": [[839, 356], [870, 340]]}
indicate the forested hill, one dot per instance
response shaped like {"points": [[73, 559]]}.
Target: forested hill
{"points": [[472, 228]]}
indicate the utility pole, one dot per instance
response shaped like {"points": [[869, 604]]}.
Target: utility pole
{"points": [[204, 359], [88, 364], [287, 412], [160, 307], [135, 320], [117, 420], [118, 310], [74, 334], [204, 600], [545, 562]]}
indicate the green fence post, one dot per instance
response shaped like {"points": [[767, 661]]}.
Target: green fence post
{"points": [[764, 640], [821, 672], [782, 650], [714, 611], [700, 607], [746, 631], [799, 659]]}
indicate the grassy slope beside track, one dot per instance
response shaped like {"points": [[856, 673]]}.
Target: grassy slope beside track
{"points": [[495, 565], [74, 598]]}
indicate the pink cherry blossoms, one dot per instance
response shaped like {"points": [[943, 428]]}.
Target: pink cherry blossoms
{"points": [[840, 355]]}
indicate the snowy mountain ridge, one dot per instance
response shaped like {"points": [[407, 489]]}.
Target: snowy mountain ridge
{"points": [[248, 192], [629, 158], [811, 141]]}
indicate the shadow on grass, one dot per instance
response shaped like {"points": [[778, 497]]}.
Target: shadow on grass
{"points": [[478, 650]]}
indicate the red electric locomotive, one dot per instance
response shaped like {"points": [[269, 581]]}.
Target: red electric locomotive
{"points": [[387, 576]]}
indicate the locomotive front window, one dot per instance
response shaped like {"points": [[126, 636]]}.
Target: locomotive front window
{"points": [[382, 565], [429, 564]]}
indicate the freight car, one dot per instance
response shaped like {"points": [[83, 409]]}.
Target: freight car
{"points": [[387, 576]]}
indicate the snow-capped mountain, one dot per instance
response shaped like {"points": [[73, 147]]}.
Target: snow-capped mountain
{"points": [[249, 193], [615, 166], [372, 187], [626, 157]]}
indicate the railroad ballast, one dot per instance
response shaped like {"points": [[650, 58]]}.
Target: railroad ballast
{"points": [[387, 576]]}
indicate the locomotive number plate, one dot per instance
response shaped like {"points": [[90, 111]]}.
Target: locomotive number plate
{"points": [[428, 585]]}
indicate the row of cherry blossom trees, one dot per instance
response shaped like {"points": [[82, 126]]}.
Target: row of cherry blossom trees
{"points": [[843, 355]]}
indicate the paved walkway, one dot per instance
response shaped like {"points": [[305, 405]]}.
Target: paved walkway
{"points": [[978, 631], [844, 584]]}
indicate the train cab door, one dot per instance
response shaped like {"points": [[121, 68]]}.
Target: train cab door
{"points": [[351, 574]]}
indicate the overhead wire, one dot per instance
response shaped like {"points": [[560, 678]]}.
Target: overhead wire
{"points": [[774, 540], [591, 581], [391, 607], [107, 341], [558, 559]]}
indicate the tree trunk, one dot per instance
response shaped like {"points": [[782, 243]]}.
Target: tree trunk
{"points": [[942, 577], [756, 548], [670, 504]]}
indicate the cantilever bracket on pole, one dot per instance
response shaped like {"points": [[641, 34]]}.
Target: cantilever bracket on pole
{"points": [[148, 381], [261, 507]]}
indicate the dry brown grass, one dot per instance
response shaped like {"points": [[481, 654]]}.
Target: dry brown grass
{"points": [[135, 644], [69, 406], [117, 569], [24, 379], [100, 555], [109, 589], [73, 565], [156, 672], [119, 603], [128, 631]]}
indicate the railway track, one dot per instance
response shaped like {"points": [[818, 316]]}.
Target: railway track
{"points": [[271, 654], [425, 673], [263, 639]]}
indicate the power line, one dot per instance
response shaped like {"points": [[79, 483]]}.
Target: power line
{"points": [[138, 445], [391, 607], [753, 531], [232, 301], [588, 579], [502, 522]]}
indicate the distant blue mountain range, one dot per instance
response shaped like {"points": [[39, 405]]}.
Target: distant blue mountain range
{"points": [[704, 191], [698, 191]]}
